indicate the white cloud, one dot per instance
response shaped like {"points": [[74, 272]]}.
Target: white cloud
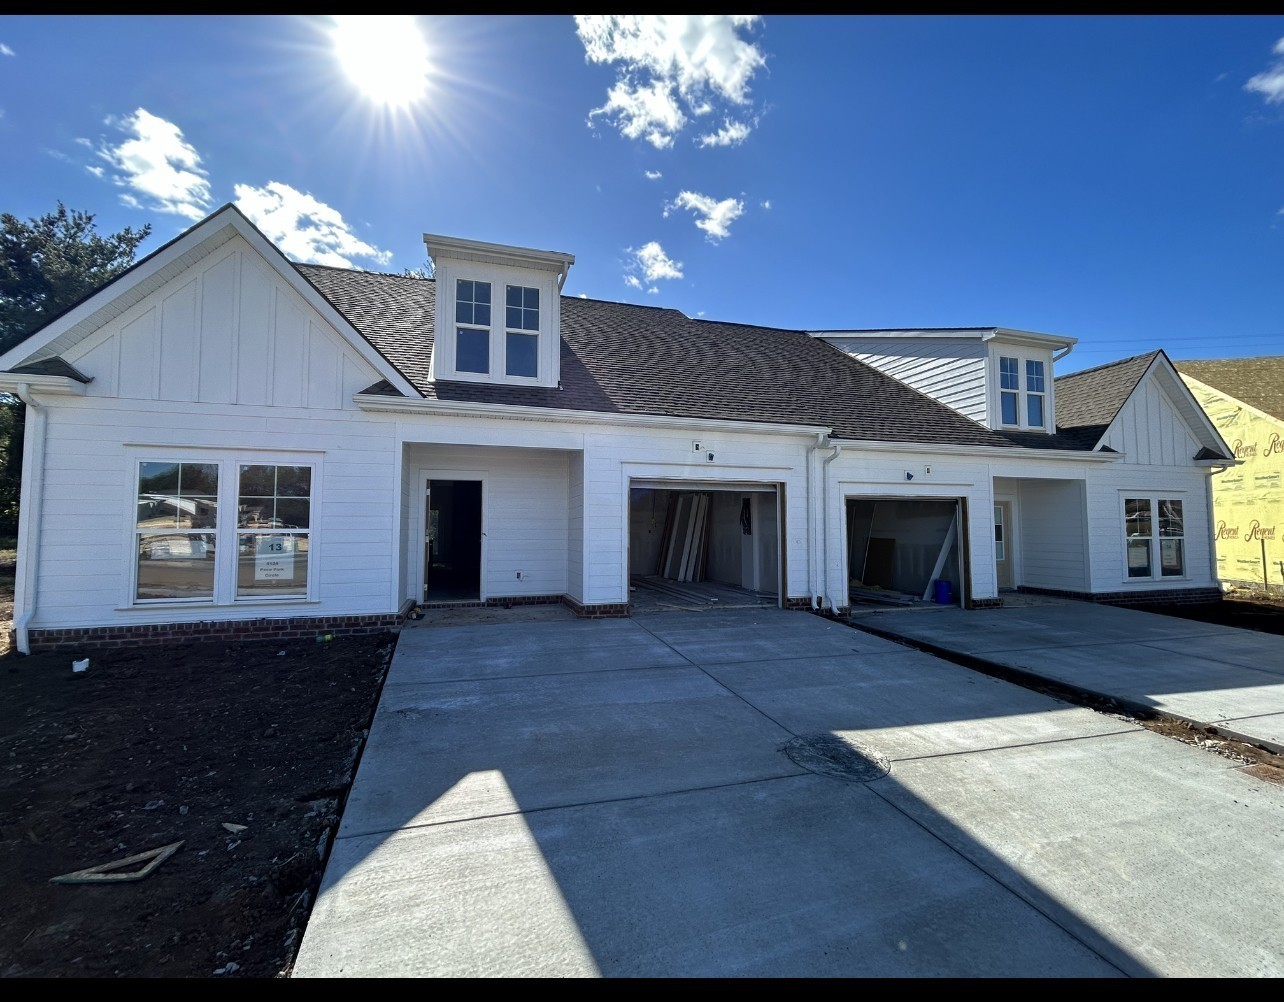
{"points": [[653, 265], [304, 228], [766, 203], [731, 134], [1270, 82], [653, 175], [5, 50], [670, 67], [714, 217], [160, 169], [583, 295]]}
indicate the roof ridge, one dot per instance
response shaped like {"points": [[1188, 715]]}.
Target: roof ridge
{"points": [[1110, 365]]}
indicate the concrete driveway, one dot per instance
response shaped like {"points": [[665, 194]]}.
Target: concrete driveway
{"points": [[623, 798]]}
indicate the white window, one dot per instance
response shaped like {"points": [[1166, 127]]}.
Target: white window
{"points": [[521, 334], [262, 512], [1022, 392], [1155, 537], [472, 326]]}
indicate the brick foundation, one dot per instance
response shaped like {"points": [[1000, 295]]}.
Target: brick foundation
{"points": [[609, 610], [1170, 596], [985, 603], [500, 601], [296, 628], [796, 602]]}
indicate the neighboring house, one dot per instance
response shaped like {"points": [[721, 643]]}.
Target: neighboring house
{"points": [[221, 442], [1244, 397]]}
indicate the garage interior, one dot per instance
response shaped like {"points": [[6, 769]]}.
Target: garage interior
{"points": [[697, 548], [902, 551]]}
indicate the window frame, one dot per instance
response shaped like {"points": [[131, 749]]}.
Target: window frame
{"points": [[527, 332], [461, 326], [1155, 537], [225, 530], [1021, 393]]}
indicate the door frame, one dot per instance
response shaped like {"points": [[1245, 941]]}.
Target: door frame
{"points": [[1013, 551], [422, 478]]}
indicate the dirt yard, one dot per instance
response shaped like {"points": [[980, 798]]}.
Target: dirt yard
{"points": [[244, 753]]}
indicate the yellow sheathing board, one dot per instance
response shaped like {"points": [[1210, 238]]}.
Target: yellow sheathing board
{"points": [[1248, 500]]}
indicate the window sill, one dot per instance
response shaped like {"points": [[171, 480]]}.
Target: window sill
{"points": [[242, 604]]}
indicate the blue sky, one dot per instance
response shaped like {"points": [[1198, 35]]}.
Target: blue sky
{"points": [[1119, 180]]}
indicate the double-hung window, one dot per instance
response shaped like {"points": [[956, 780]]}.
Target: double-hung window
{"points": [[521, 331], [221, 532], [1022, 392], [472, 326], [1155, 536]]}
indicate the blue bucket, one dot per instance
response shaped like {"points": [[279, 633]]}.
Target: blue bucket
{"points": [[944, 593]]}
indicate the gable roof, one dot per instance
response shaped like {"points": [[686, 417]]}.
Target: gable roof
{"points": [[1088, 401], [1258, 382], [66, 328], [625, 359]]}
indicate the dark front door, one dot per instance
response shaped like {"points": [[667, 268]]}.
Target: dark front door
{"points": [[452, 558]]}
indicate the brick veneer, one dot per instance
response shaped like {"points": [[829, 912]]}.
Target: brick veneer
{"points": [[1169, 596], [609, 610], [297, 628]]}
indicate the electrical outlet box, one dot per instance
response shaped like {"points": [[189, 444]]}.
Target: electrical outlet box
{"points": [[695, 447], [708, 457], [519, 575], [927, 470]]}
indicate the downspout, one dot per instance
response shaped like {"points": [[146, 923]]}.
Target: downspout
{"points": [[813, 583], [32, 496], [824, 521], [1212, 525]]}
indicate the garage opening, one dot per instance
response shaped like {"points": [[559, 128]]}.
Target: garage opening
{"points": [[703, 546], [904, 551]]}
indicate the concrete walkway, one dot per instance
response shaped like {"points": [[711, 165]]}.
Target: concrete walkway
{"points": [[622, 798], [1210, 675]]}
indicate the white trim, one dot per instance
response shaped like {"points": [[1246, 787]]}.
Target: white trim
{"points": [[376, 403], [1015, 452], [1031, 339], [1153, 497], [504, 255], [11, 382], [1009, 539]]}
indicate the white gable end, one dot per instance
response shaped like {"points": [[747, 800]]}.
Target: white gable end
{"points": [[1150, 430], [226, 330]]}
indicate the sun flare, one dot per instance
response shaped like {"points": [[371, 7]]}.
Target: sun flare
{"points": [[385, 57]]}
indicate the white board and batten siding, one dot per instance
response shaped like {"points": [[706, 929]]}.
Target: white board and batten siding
{"points": [[224, 363], [1158, 447], [951, 370], [227, 331]]}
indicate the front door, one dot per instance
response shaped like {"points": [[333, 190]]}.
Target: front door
{"points": [[452, 543], [1003, 543]]}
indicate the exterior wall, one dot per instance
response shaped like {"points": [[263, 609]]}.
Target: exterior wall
{"points": [[525, 513], [575, 527], [1106, 489], [951, 370], [1051, 535], [226, 331], [1248, 500], [87, 525], [1149, 430], [614, 456]]}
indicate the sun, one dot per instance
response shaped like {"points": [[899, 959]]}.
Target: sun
{"points": [[385, 57]]}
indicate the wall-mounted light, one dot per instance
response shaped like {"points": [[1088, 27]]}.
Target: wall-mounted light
{"points": [[908, 475]]}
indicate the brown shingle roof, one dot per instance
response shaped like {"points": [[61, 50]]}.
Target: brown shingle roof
{"points": [[1258, 382], [625, 359]]}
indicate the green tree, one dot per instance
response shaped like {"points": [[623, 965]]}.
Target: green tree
{"points": [[47, 264]]}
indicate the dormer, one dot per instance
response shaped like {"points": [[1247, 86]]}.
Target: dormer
{"points": [[999, 377], [499, 317]]}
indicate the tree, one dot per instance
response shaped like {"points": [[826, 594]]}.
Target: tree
{"points": [[47, 264]]}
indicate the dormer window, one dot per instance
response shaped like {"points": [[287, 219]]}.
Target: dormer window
{"points": [[1023, 392], [521, 336], [498, 312], [472, 326]]}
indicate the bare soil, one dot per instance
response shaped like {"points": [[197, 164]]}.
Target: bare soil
{"points": [[156, 745]]}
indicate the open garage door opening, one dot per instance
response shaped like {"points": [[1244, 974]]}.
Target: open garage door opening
{"points": [[698, 546], [904, 551]]}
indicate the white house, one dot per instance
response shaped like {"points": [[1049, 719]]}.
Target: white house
{"points": [[221, 442]]}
